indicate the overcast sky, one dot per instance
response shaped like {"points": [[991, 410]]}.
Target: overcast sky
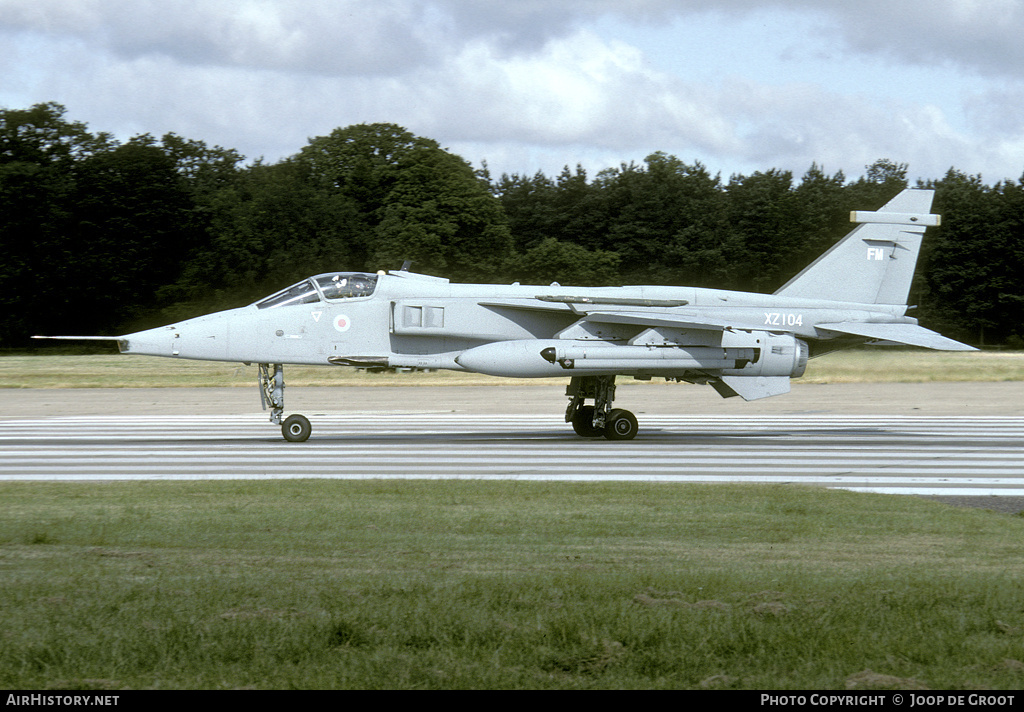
{"points": [[528, 85]]}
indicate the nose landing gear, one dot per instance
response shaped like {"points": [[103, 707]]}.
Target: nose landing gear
{"points": [[295, 428]]}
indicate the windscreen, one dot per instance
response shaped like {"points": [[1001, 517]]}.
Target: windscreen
{"points": [[335, 285], [301, 293]]}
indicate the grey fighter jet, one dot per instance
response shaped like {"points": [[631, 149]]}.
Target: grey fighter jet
{"points": [[740, 343]]}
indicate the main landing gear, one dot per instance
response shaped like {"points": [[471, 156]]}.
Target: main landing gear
{"points": [[589, 421], [295, 428], [593, 421]]}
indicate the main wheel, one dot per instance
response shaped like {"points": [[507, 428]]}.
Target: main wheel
{"points": [[583, 422], [296, 428], [621, 425]]}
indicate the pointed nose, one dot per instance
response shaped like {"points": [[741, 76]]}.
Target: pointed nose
{"points": [[152, 342], [204, 338]]}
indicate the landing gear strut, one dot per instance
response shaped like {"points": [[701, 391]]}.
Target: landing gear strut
{"points": [[295, 428], [593, 421]]}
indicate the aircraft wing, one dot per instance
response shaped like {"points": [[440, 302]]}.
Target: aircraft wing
{"points": [[573, 306], [576, 304], [526, 304], [909, 334], [669, 320]]}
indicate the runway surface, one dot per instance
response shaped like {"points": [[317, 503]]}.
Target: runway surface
{"points": [[966, 456]]}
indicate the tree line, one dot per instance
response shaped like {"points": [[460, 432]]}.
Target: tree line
{"points": [[99, 236]]}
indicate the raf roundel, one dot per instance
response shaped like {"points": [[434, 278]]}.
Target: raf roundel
{"points": [[342, 322]]}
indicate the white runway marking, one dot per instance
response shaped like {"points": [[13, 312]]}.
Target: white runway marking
{"points": [[900, 455]]}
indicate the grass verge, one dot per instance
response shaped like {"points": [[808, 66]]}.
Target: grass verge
{"points": [[116, 371], [454, 584]]}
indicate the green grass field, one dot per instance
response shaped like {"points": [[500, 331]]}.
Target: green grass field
{"points": [[315, 584], [500, 585], [114, 371]]}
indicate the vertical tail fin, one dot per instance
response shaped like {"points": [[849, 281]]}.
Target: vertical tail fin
{"points": [[875, 263]]}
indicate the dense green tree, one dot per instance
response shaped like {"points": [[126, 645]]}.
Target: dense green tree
{"points": [[881, 182], [580, 209], [97, 235], [206, 169], [270, 226], [568, 208], [566, 263], [417, 201], [39, 150], [41, 136], [975, 264], [821, 217], [764, 211], [132, 231], [444, 219], [1011, 224], [664, 220], [529, 206]]}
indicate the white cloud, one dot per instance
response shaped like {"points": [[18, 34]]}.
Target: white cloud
{"points": [[997, 110], [531, 80], [980, 35], [388, 36]]}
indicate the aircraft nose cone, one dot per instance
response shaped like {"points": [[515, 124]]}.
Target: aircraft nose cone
{"points": [[151, 342], [200, 338]]}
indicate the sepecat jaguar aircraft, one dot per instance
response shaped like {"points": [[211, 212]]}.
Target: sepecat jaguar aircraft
{"points": [[740, 343]]}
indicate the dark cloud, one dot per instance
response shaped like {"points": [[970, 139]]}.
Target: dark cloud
{"points": [[982, 36], [343, 37]]}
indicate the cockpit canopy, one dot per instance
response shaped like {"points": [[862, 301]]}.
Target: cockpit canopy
{"points": [[331, 287]]}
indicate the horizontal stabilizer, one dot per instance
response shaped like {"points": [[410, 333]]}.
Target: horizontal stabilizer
{"points": [[926, 219], [909, 334], [751, 388]]}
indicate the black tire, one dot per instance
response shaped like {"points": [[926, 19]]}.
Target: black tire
{"points": [[583, 422], [621, 425], [296, 429]]}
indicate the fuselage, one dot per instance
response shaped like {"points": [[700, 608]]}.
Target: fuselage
{"points": [[409, 320]]}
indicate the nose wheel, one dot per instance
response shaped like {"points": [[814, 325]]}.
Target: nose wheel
{"points": [[295, 428]]}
